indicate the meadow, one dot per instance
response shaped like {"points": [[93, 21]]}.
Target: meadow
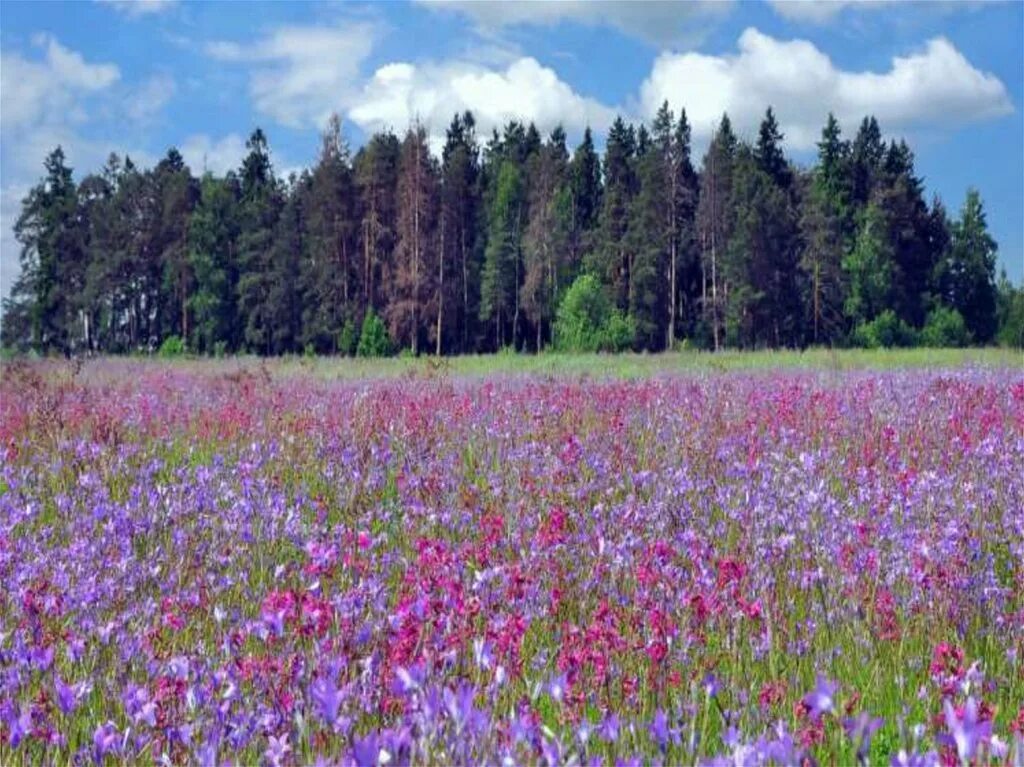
{"points": [[728, 559]]}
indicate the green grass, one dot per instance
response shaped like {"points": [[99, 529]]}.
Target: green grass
{"points": [[627, 366]]}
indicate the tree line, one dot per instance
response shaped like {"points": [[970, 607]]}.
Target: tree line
{"points": [[513, 243]]}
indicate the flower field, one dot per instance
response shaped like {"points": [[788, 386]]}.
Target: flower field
{"points": [[209, 565]]}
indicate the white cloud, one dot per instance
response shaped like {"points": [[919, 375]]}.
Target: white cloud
{"points": [[658, 22], [140, 7], [933, 86], [148, 99], [817, 11], [217, 156], [30, 90], [820, 12], [10, 250], [399, 93], [301, 74]]}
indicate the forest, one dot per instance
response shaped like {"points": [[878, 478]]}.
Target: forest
{"points": [[512, 242]]}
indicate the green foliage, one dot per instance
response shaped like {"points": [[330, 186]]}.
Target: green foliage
{"points": [[884, 332], [586, 321], [966, 275], [1010, 314], [475, 252], [373, 340], [347, 339], [619, 333], [172, 346], [868, 268], [944, 328]]}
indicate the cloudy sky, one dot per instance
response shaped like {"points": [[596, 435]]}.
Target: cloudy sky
{"points": [[139, 77]]}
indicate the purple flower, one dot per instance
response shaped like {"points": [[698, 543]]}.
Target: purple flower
{"points": [[20, 725], [104, 741], [277, 749], [711, 685], [327, 698], [557, 687], [366, 751], [821, 700], [913, 759], [967, 732], [660, 730], [610, 728], [860, 730], [66, 697]]}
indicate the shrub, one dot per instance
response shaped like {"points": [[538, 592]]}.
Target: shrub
{"points": [[373, 340], [945, 327], [618, 333], [172, 346], [347, 340], [586, 321], [884, 331]]}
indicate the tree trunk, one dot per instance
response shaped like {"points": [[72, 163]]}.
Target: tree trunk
{"points": [[440, 286]]}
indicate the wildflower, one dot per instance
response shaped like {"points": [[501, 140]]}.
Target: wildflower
{"points": [[327, 697], [277, 749], [557, 687], [860, 730], [104, 741], [821, 700], [966, 731]]}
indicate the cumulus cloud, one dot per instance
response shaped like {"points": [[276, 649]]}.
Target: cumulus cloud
{"points": [[399, 93], [29, 90], [301, 74], [10, 250], [660, 23], [936, 85]]}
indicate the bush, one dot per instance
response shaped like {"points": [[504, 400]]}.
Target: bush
{"points": [[586, 321], [373, 340], [347, 340], [618, 333], [220, 349], [1011, 316], [884, 331], [172, 346], [945, 327]]}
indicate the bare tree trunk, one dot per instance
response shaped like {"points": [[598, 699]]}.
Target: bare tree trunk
{"points": [[440, 285], [817, 298], [672, 302]]}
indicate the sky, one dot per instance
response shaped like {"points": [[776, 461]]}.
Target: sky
{"points": [[140, 77]]}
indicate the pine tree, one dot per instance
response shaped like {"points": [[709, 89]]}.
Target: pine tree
{"points": [[826, 227], [458, 267], [610, 258], [52, 259], [176, 194], [331, 270], [259, 208], [714, 223], [545, 240], [212, 248], [376, 171], [415, 253], [586, 193], [499, 280], [966, 274]]}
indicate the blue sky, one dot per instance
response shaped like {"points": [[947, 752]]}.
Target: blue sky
{"points": [[139, 77]]}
